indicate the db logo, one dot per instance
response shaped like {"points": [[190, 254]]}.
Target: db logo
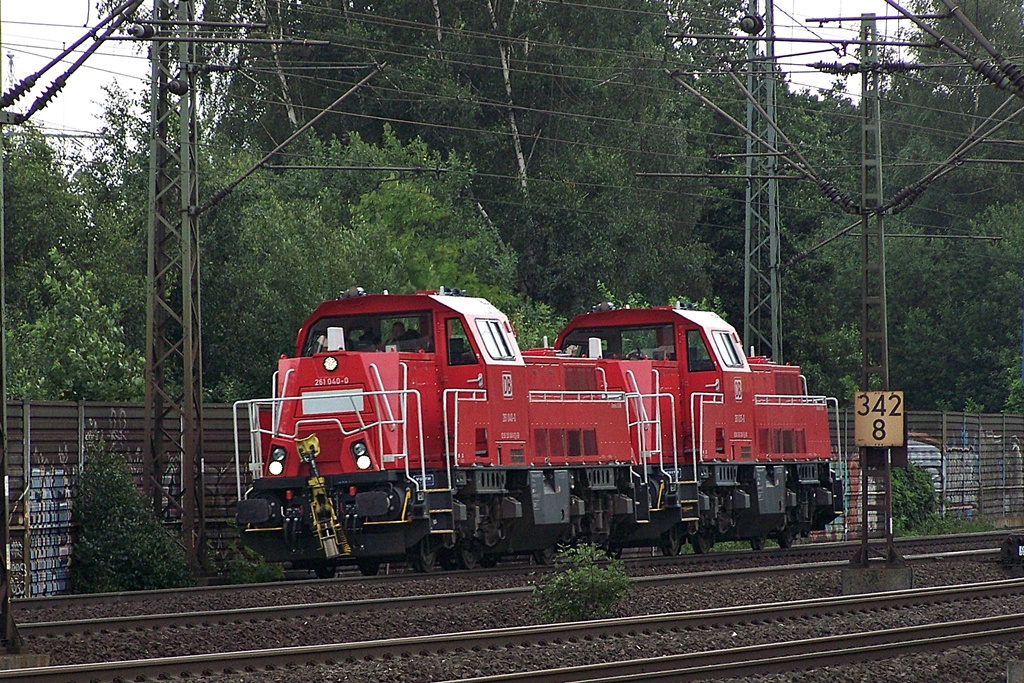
{"points": [[506, 384], [738, 387]]}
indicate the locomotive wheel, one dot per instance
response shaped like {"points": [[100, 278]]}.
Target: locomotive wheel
{"points": [[545, 556], [466, 558], [701, 542], [424, 556], [671, 542], [489, 560], [757, 543], [786, 538], [446, 557], [368, 567], [324, 570]]}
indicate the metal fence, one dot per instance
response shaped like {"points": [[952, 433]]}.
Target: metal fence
{"points": [[975, 462], [47, 444]]}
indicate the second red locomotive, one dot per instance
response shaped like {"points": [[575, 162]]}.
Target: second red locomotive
{"points": [[413, 427]]}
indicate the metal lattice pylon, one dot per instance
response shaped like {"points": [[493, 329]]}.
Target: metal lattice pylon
{"points": [[172, 459], [762, 318]]}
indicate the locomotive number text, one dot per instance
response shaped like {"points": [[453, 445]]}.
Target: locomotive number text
{"points": [[327, 381]]}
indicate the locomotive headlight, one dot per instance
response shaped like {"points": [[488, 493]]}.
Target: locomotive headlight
{"points": [[362, 455], [277, 455]]}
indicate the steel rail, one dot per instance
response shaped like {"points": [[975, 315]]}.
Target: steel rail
{"points": [[781, 657], [24, 605], [291, 611], [254, 660]]}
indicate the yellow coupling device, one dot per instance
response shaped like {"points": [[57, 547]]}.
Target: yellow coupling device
{"points": [[325, 519]]}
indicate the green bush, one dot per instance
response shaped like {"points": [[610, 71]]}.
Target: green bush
{"points": [[120, 545], [914, 503], [586, 585], [245, 565]]}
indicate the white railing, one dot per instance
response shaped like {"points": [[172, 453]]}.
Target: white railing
{"points": [[576, 396], [458, 396], [698, 400], [276, 405], [789, 400]]}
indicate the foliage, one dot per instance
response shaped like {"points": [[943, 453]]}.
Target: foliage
{"points": [[914, 503], [953, 524], [554, 158], [586, 585], [247, 566], [75, 348], [120, 545]]}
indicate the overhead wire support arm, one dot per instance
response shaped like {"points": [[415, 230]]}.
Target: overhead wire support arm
{"points": [[829, 41], [908, 195], [992, 72], [834, 195], [1008, 68], [830, 190], [229, 188], [159, 38], [115, 19]]}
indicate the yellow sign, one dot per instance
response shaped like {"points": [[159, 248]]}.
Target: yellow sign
{"points": [[878, 418]]}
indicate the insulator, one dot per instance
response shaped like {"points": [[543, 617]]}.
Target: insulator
{"points": [[177, 86], [141, 31]]}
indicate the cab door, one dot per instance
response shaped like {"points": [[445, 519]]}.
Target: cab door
{"points": [[701, 396], [462, 382]]}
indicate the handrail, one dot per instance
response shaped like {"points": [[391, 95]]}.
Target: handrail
{"points": [[657, 419], [253, 407], [789, 399], [844, 468], [604, 377], [238, 458], [716, 398], [459, 395], [276, 415], [540, 396], [375, 375], [644, 424]]}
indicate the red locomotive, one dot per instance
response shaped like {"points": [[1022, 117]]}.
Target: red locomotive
{"points": [[413, 427]]}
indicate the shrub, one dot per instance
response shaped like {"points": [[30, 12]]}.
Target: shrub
{"points": [[120, 545], [586, 584], [245, 565], [914, 503]]}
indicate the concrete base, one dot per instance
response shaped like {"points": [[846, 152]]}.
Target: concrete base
{"points": [[1014, 672], [8, 662], [858, 580]]}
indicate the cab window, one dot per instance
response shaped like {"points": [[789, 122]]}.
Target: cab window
{"points": [[495, 342], [727, 349], [460, 351], [698, 356]]}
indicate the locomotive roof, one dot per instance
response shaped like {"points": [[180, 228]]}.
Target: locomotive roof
{"points": [[395, 303], [651, 316]]}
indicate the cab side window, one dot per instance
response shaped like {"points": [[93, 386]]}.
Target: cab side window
{"points": [[460, 352], [698, 356]]}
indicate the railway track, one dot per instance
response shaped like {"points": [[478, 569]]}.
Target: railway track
{"points": [[779, 656], [253, 615], [700, 565]]}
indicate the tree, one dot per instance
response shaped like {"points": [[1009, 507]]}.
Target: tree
{"points": [[120, 545], [74, 349]]}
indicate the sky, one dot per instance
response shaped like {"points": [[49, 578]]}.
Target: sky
{"points": [[33, 32]]}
